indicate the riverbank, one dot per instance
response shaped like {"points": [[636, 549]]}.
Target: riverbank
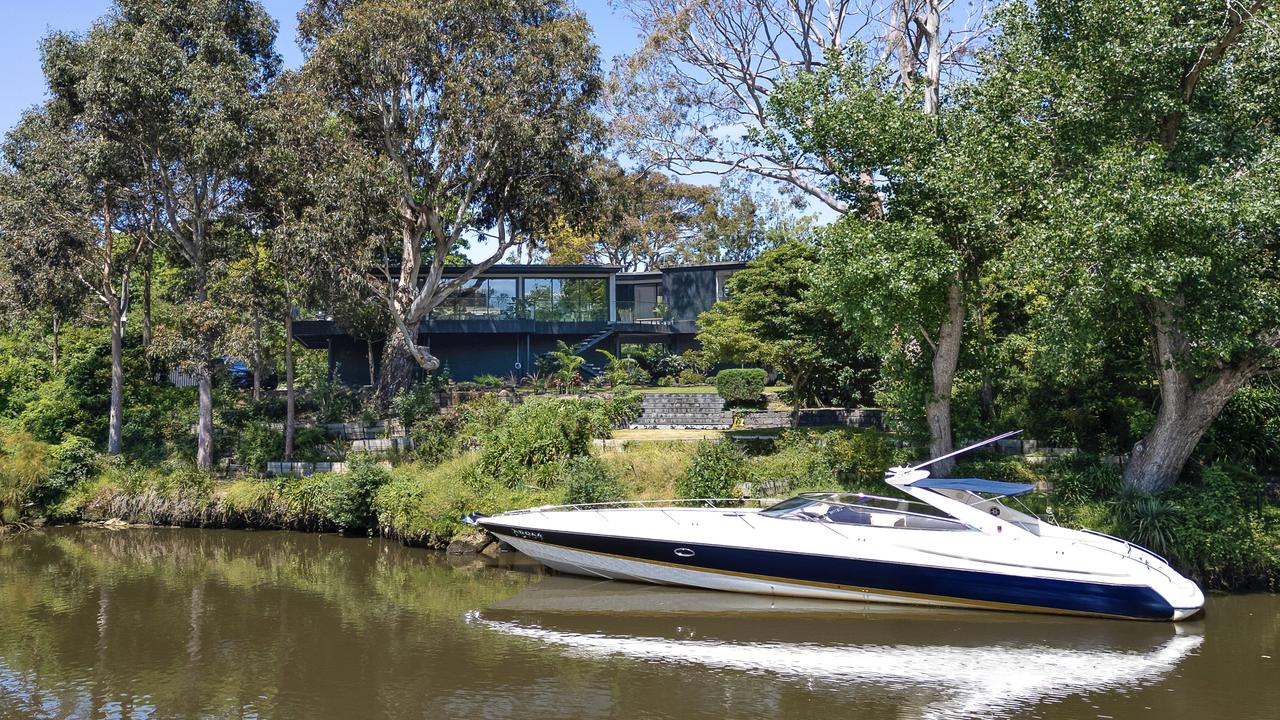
{"points": [[1218, 531], [1218, 525]]}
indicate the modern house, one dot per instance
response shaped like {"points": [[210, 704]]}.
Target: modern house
{"points": [[512, 314]]}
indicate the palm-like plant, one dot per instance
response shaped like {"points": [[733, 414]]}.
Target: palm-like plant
{"points": [[567, 364]]}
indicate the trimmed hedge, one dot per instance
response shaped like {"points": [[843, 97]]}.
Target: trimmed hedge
{"points": [[741, 386]]}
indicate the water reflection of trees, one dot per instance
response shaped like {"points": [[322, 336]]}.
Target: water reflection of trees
{"points": [[200, 623]]}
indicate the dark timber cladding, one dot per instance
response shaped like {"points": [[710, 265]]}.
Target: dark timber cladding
{"points": [[512, 314]]}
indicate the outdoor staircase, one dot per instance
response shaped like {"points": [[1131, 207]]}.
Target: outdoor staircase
{"points": [[590, 369], [683, 410]]}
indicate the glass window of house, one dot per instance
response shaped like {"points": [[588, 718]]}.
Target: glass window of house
{"points": [[500, 296], [541, 296], [584, 299], [722, 283]]}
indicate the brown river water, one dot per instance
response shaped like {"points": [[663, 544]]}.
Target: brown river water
{"points": [[169, 623]]}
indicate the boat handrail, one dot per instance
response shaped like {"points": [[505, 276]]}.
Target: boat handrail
{"points": [[1128, 554], [1128, 544], [712, 503]]}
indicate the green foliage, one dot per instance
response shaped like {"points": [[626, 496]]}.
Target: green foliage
{"points": [[562, 364], [1248, 430], [426, 506], [437, 438], [1082, 479], [414, 404], [717, 470], [488, 380], [537, 437], [689, 376], [24, 465], [655, 359], [347, 499], [741, 386], [257, 444], [1218, 530], [623, 370], [772, 319], [333, 400], [587, 480], [1148, 520], [801, 460], [71, 462]]}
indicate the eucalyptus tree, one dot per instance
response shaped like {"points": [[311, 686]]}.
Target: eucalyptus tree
{"points": [[316, 198], [713, 89], [480, 111], [1157, 125], [69, 190], [192, 77]]}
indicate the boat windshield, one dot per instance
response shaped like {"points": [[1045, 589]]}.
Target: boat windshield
{"points": [[860, 509]]}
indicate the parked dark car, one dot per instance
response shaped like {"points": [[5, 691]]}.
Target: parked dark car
{"points": [[241, 374]]}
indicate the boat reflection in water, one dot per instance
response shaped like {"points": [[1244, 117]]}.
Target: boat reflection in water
{"points": [[946, 663]]}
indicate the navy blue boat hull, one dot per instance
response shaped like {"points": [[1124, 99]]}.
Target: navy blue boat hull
{"points": [[909, 582]]}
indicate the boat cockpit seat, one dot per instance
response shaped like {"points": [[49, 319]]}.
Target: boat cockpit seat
{"points": [[848, 516]]}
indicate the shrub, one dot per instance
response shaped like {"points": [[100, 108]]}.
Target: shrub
{"points": [[666, 381], [348, 497], [1082, 479], [860, 458], [435, 438], [742, 386], [534, 437], [23, 467], [587, 480], [718, 469], [620, 410], [427, 506], [482, 416], [488, 380], [656, 359], [1148, 520], [623, 370], [71, 462], [258, 444], [801, 461], [689, 376], [334, 401], [414, 404], [1220, 535]]}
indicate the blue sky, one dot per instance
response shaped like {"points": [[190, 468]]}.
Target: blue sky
{"points": [[25, 22]]}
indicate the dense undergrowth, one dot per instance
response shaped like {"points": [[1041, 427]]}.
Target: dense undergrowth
{"points": [[489, 456]]}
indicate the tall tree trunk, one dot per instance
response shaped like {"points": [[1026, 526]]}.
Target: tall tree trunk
{"points": [[257, 357], [204, 425], [116, 422], [933, 61], [290, 419], [1187, 408], [399, 368], [146, 299], [946, 357], [54, 341], [373, 380]]}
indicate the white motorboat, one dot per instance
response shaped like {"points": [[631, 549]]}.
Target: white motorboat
{"points": [[956, 543]]}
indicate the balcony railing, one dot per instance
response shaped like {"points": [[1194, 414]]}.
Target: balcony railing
{"points": [[630, 311], [521, 310]]}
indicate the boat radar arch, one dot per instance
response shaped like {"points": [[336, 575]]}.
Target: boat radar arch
{"points": [[906, 475]]}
